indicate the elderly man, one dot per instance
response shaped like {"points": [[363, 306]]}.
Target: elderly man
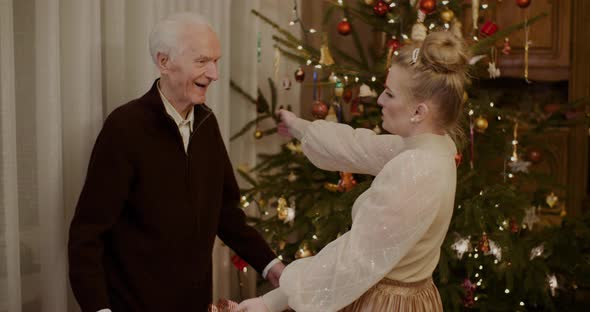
{"points": [[159, 187]]}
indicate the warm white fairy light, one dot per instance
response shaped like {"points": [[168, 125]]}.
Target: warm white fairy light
{"points": [[500, 228], [476, 274], [299, 47], [445, 2], [431, 26], [478, 283], [280, 257], [499, 117], [312, 31], [405, 36], [476, 298], [475, 256], [391, 21], [315, 236], [395, 53], [510, 175], [475, 38], [552, 281], [491, 104], [340, 2], [481, 267], [514, 142], [318, 66], [507, 291], [495, 261], [373, 79], [484, 6], [308, 62], [245, 270], [447, 26], [346, 78], [392, 5], [522, 304], [291, 23], [356, 79], [470, 112], [481, 193]]}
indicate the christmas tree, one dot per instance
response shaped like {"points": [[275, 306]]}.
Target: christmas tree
{"points": [[498, 255]]}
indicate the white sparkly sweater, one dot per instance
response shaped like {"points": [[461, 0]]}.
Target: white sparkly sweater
{"points": [[398, 224]]}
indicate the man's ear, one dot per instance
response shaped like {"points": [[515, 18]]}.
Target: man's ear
{"points": [[163, 62], [421, 112]]}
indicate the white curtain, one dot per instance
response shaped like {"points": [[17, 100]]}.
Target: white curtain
{"points": [[64, 65]]}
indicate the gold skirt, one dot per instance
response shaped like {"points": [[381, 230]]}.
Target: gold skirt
{"points": [[389, 295]]}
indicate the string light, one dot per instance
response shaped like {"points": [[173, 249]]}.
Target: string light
{"points": [[392, 5], [431, 26], [476, 274], [340, 2], [475, 256], [245, 270], [522, 304], [299, 47], [470, 112], [356, 79], [495, 261], [405, 36], [308, 62], [507, 291], [481, 267], [499, 117], [315, 236], [447, 26], [373, 78], [491, 104], [280, 257], [475, 299], [391, 21], [318, 66], [484, 6], [312, 31], [475, 38], [445, 2]]}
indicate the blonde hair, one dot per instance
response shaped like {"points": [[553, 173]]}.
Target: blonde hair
{"points": [[438, 70]]}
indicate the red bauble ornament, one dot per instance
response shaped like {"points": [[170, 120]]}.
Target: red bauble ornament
{"points": [[484, 243], [427, 6], [299, 74], [347, 95], [319, 109], [458, 159], [523, 4], [551, 108], [381, 8], [489, 28], [513, 226], [393, 44], [344, 27], [534, 155], [238, 262]]}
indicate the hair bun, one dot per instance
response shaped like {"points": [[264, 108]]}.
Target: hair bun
{"points": [[444, 53]]}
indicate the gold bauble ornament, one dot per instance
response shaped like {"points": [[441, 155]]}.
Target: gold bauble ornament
{"points": [[282, 209], [331, 187], [551, 199], [258, 134], [303, 252], [481, 124], [447, 15]]}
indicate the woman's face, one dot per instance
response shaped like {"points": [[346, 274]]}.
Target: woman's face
{"points": [[396, 107]]}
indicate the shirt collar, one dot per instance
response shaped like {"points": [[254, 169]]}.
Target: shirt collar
{"points": [[174, 113]]}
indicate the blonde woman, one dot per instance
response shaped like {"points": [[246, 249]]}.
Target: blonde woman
{"points": [[385, 262]]}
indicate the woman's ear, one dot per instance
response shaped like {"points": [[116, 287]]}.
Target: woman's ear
{"points": [[420, 112]]}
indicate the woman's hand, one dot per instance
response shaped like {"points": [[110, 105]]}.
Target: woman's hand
{"points": [[287, 118], [253, 305]]}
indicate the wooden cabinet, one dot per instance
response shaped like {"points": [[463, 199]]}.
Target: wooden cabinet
{"points": [[549, 52]]}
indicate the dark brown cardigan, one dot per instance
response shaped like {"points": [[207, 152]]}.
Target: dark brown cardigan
{"points": [[143, 232]]}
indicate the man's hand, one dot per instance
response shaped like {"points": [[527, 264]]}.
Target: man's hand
{"points": [[253, 305], [274, 274]]}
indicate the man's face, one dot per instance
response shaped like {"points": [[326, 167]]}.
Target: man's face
{"points": [[194, 66]]}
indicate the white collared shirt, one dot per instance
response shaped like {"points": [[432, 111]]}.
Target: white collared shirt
{"points": [[185, 126]]}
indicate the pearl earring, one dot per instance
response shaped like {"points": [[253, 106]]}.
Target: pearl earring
{"points": [[414, 119]]}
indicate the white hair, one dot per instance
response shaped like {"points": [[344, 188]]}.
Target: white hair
{"points": [[164, 37]]}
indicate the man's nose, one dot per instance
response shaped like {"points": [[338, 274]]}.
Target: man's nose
{"points": [[212, 71]]}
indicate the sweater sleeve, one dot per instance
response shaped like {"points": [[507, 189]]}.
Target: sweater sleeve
{"points": [[390, 218], [232, 228], [338, 147], [100, 204]]}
